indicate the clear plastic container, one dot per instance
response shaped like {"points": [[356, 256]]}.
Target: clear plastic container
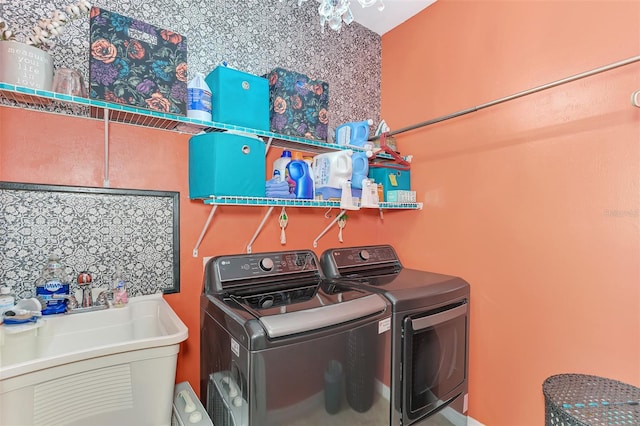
{"points": [[53, 286], [199, 98], [7, 299], [120, 297]]}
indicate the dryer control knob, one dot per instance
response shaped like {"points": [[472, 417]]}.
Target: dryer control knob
{"points": [[364, 255], [266, 264]]}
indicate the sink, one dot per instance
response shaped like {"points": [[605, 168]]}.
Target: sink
{"points": [[113, 366]]}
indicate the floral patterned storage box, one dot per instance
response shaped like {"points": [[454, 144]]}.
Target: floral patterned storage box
{"points": [[137, 64], [298, 105]]}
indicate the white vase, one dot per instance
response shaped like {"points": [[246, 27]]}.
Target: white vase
{"points": [[25, 65]]}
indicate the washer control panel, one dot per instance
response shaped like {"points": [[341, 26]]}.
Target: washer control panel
{"points": [[259, 265]]}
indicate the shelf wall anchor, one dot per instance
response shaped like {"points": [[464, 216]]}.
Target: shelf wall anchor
{"points": [[635, 98]]}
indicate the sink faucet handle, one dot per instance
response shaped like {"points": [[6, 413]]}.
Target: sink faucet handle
{"points": [[103, 297], [72, 302]]}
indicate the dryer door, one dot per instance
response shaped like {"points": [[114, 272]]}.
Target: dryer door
{"points": [[434, 359]]}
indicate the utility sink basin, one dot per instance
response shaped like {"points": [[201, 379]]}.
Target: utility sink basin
{"points": [[113, 366]]}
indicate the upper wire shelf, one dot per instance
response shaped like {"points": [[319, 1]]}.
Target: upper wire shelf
{"points": [[43, 100]]}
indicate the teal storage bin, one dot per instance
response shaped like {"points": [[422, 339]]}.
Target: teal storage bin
{"points": [[392, 179], [226, 164], [239, 98]]}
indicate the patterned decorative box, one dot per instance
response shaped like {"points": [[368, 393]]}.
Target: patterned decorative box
{"points": [[239, 98], [298, 105], [134, 63], [226, 164]]}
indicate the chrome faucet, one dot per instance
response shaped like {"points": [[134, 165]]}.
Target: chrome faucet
{"points": [[87, 300], [84, 281]]}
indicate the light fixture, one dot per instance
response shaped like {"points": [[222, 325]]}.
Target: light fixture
{"points": [[335, 12]]}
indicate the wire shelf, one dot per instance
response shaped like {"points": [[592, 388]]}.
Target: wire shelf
{"points": [[59, 103], [286, 202]]}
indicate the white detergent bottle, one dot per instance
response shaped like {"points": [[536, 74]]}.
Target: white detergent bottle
{"points": [[280, 166], [331, 170], [199, 98]]}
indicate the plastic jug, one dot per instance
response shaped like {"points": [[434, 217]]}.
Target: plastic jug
{"points": [[360, 165], [355, 133], [309, 161], [331, 170], [280, 166], [199, 98], [299, 173]]}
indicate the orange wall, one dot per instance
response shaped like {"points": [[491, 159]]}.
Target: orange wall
{"points": [[534, 201], [37, 147]]}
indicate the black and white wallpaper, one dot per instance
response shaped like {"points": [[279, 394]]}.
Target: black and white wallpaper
{"points": [[101, 231], [251, 35]]}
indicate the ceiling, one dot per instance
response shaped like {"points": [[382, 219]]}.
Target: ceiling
{"points": [[395, 13]]}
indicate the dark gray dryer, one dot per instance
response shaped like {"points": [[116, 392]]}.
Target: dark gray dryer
{"points": [[430, 332]]}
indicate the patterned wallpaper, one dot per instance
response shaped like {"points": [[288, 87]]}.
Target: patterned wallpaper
{"points": [[96, 230], [251, 35]]}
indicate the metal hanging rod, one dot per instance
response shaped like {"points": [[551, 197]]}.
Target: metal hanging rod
{"points": [[516, 95]]}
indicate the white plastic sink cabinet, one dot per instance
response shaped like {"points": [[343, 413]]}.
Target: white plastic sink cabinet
{"points": [[111, 367]]}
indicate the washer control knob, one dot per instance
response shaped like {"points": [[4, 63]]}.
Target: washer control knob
{"points": [[364, 254], [266, 264]]}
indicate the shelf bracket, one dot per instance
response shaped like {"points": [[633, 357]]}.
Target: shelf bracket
{"points": [[255, 235], [204, 230], [333, 222], [268, 145]]}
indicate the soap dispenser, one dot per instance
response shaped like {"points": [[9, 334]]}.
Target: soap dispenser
{"points": [[119, 289]]}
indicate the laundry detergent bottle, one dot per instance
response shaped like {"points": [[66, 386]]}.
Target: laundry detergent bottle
{"points": [[299, 172], [360, 166], [332, 171], [280, 166], [355, 133]]}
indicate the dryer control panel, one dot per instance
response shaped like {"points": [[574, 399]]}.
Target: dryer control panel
{"points": [[336, 262]]}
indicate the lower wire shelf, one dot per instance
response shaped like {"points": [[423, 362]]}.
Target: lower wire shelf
{"points": [[216, 201], [290, 202]]}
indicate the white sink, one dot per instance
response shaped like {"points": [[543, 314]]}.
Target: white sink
{"points": [[114, 366]]}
